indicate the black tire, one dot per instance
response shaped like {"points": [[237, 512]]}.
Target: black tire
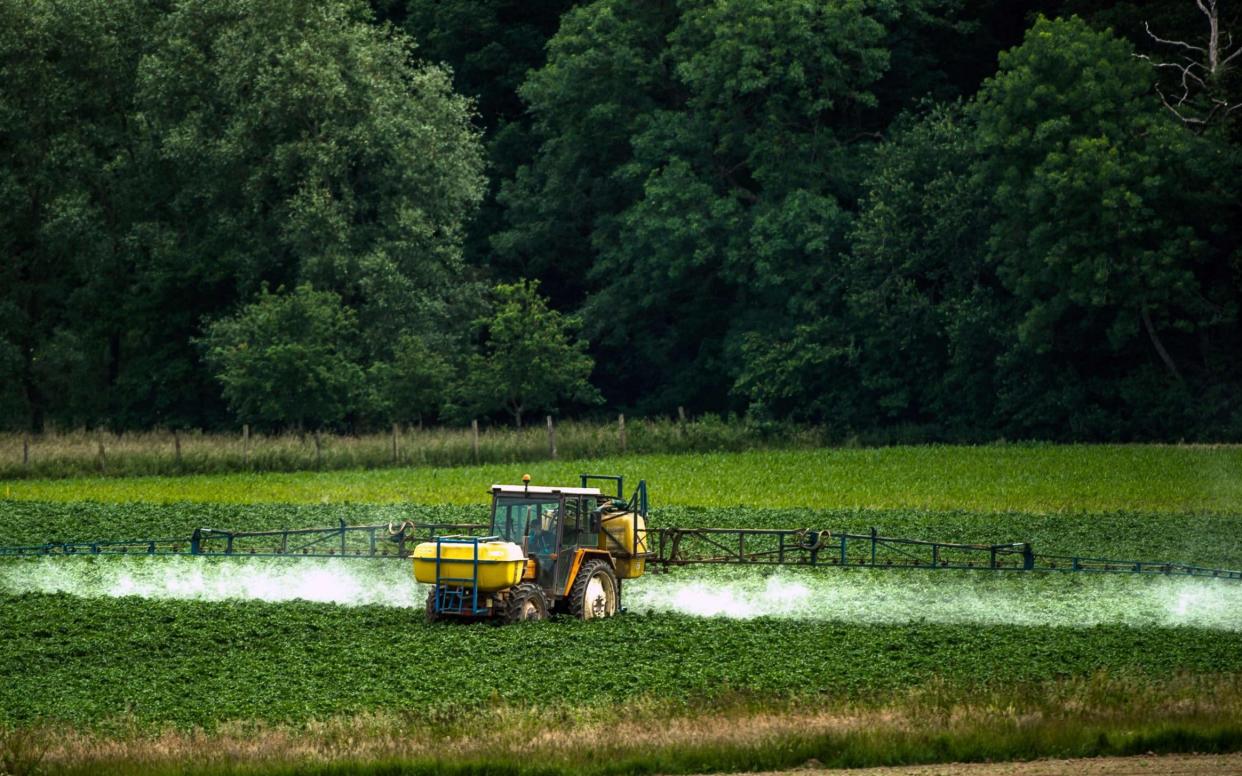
{"points": [[432, 614], [527, 603], [606, 598]]}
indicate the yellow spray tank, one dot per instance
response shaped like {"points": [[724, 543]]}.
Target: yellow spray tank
{"points": [[500, 563], [624, 534]]}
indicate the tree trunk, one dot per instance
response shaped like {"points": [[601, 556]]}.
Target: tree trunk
{"points": [[1158, 345], [114, 360], [34, 397]]}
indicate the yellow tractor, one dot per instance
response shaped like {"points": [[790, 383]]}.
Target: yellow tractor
{"points": [[549, 549]]}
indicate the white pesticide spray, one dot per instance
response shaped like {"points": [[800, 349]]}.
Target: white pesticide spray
{"points": [[894, 597], [326, 580], [856, 595]]}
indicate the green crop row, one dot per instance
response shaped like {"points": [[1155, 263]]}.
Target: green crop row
{"points": [[162, 662], [1205, 539], [999, 478]]}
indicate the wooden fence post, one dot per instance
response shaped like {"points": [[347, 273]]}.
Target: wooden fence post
{"points": [[315, 436], [396, 455], [621, 431], [474, 438], [245, 444], [681, 420], [103, 458], [26, 450], [551, 438]]}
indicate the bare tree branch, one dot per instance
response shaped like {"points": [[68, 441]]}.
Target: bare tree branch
{"points": [[1181, 43], [1198, 75]]}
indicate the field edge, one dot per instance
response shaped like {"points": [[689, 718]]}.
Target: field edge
{"points": [[1097, 716]]}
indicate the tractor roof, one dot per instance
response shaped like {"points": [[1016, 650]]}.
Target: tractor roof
{"points": [[541, 490]]}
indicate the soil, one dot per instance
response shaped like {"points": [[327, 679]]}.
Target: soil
{"points": [[1151, 765]]}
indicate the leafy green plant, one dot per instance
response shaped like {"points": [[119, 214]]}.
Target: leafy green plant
{"points": [[196, 663], [995, 478]]}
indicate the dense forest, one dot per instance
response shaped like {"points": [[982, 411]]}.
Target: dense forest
{"points": [[959, 219]]}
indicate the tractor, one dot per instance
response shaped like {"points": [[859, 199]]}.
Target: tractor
{"points": [[548, 550]]}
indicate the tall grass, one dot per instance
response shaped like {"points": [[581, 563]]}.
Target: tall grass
{"points": [[90, 453]]}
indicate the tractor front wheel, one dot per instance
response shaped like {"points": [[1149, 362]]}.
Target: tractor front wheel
{"points": [[527, 603], [594, 594]]}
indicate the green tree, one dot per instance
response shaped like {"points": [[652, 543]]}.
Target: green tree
{"points": [[1106, 213], [697, 169], [162, 160], [298, 144], [489, 46], [1052, 260], [529, 359], [288, 360], [415, 385], [67, 194], [911, 335]]}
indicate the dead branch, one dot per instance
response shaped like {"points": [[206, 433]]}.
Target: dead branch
{"points": [[1197, 75]]}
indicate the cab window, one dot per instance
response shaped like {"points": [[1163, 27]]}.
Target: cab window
{"points": [[532, 524]]}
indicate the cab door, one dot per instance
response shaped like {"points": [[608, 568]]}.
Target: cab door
{"points": [[543, 539], [577, 520]]}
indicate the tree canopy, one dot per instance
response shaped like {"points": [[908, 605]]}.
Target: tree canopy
{"points": [[287, 360], [529, 358], [944, 219]]}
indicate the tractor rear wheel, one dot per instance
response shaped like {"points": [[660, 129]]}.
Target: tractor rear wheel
{"points": [[432, 614], [527, 603], [594, 594]]}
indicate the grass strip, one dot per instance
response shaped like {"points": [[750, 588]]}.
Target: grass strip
{"points": [[1100, 715], [56, 454]]}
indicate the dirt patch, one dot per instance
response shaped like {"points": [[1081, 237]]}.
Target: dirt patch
{"points": [[1165, 765]]}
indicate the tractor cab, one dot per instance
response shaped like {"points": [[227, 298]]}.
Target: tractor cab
{"points": [[548, 524]]}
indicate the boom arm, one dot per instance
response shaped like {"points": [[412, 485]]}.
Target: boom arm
{"points": [[809, 547], [342, 540], [670, 548]]}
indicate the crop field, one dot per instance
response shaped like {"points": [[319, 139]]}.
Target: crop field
{"points": [[310, 665], [1038, 478]]}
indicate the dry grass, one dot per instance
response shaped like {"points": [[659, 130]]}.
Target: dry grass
{"points": [[1049, 718], [76, 453]]}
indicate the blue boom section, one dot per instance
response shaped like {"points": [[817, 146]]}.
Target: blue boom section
{"points": [[340, 541], [819, 548]]}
